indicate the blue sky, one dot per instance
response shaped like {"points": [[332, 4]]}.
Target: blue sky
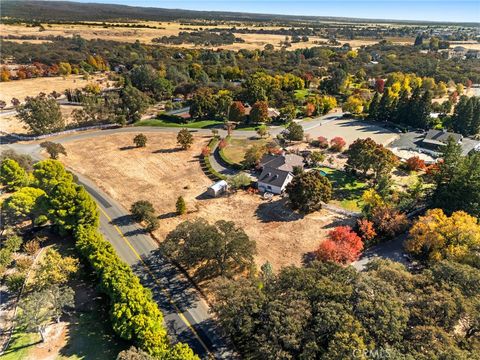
{"points": [[433, 10]]}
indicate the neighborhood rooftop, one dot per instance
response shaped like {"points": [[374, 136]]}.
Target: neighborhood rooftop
{"points": [[282, 162], [439, 137]]}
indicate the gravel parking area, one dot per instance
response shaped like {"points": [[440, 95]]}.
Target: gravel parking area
{"points": [[352, 130]]}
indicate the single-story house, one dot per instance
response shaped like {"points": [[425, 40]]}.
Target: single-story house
{"points": [[277, 172], [435, 139], [218, 188]]}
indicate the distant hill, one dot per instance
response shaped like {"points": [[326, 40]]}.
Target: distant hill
{"points": [[72, 11]]}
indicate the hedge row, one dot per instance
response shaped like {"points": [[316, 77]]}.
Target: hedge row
{"points": [[211, 170]]}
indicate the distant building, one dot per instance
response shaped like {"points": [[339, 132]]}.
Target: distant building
{"points": [[436, 139], [473, 54], [277, 172], [458, 52]]}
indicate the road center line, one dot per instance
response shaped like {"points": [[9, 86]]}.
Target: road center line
{"points": [[179, 313]]}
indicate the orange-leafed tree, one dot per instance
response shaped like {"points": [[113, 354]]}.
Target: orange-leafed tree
{"points": [[236, 112], [366, 230], [309, 109], [415, 164], [343, 246]]}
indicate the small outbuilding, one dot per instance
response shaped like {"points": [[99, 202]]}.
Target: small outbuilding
{"points": [[218, 188]]}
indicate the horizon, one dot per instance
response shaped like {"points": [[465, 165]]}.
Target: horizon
{"points": [[430, 10]]}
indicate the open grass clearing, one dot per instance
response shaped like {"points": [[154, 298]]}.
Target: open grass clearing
{"points": [[203, 124], [160, 173], [237, 147], [347, 190]]}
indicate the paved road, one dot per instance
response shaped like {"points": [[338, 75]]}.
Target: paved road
{"points": [[392, 250], [186, 314]]}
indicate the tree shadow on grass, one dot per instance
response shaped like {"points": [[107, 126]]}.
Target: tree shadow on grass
{"points": [[166, 151], [123, 148], [89, 332], [168, 215], [276, 211], [308, 258]]}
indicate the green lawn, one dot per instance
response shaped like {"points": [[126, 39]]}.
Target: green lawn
{"points": [[20, 346], [203, 124], [237, 147], [347, 191]]}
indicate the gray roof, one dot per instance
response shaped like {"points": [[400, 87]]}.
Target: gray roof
{"points": [[440, 137], [274, 177], [282, 162]]}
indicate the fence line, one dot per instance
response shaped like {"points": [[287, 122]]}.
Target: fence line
{"points": [[40, 137]]}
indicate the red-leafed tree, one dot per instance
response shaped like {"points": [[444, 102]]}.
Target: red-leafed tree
{"points": [[342, 246], [205, 151], [222, 144], [415, 164], [337, 143], [380, 85]]}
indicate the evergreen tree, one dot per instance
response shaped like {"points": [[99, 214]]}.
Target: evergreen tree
{"points": [[403, 108], [424, 109], [384, 107], [373, 108]]}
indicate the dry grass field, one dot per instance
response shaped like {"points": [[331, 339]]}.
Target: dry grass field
{"points": [[12, 125], [20, 89], [145, 35], [160, 173]]}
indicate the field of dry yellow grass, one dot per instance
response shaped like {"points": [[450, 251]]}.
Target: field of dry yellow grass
{"points": [[20, 89], [145, 35], [161, 172]]}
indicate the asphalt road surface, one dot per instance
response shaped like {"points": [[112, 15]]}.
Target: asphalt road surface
{"points": [[186, 313]]}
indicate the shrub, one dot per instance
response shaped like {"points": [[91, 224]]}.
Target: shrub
{"points": [[15, 282], [322, 142], [140, 140], [366, 230], [206, 151], [31, 247], [141, 209], [180, 206], [337, 144], [415, 164]]}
